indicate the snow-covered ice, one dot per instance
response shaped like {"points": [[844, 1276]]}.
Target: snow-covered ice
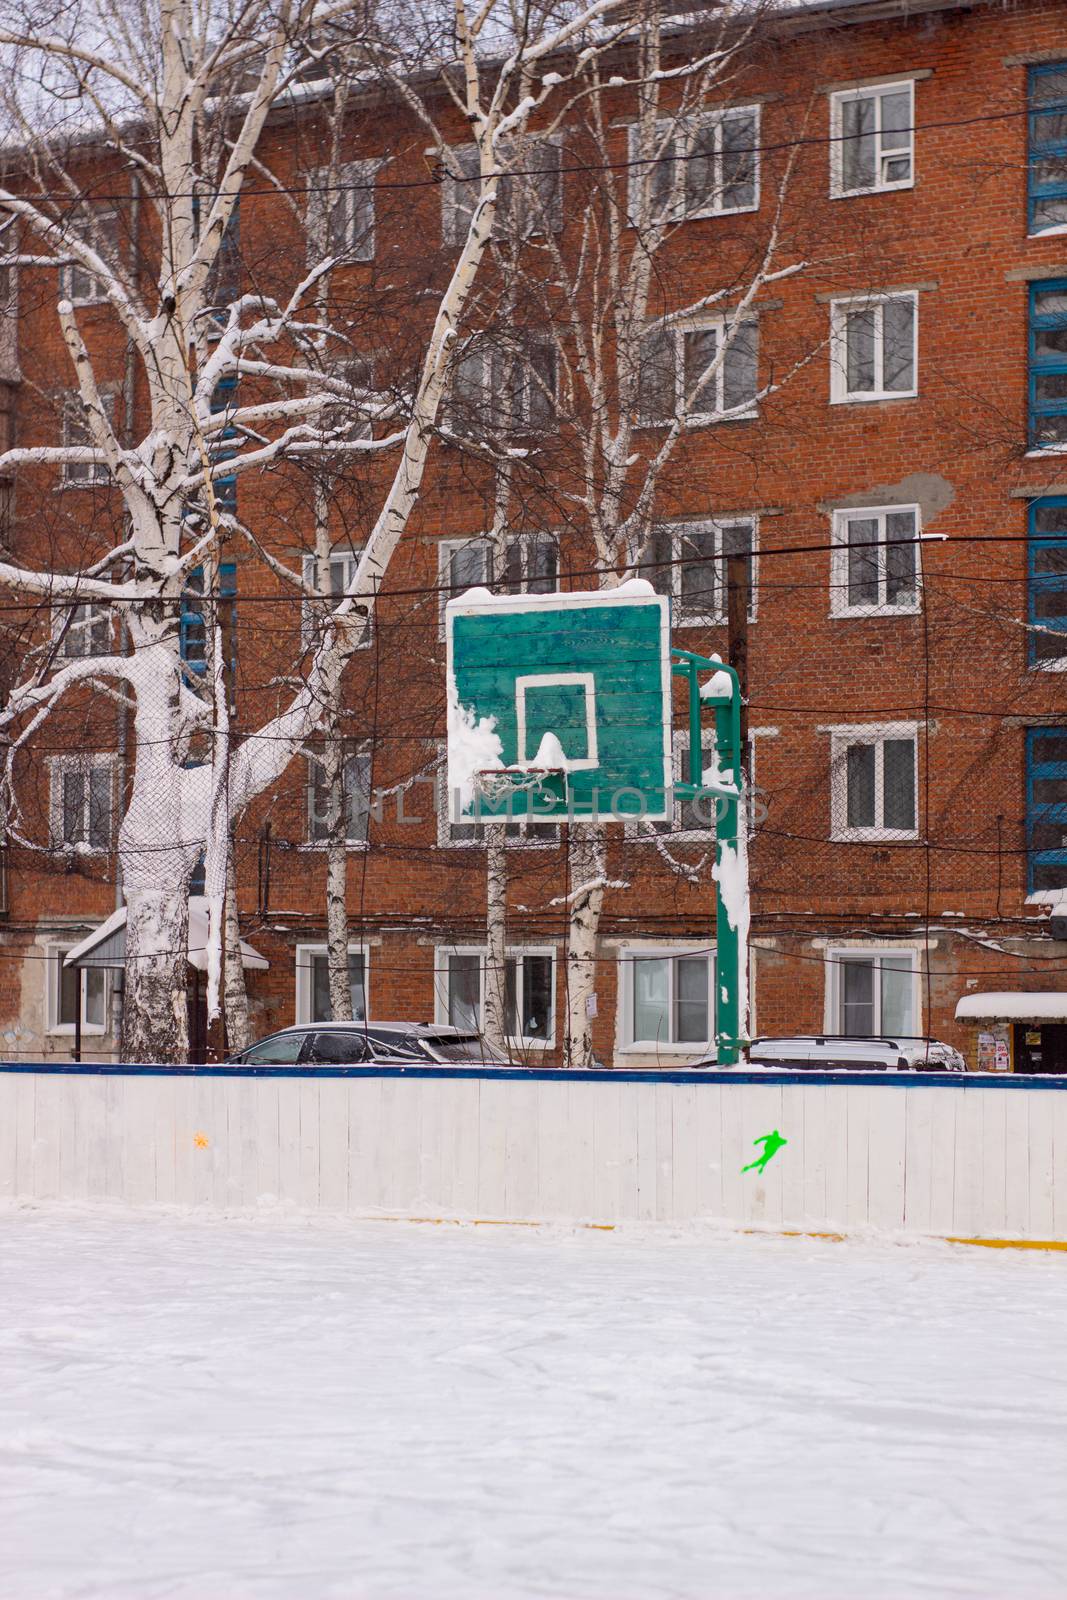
{"points": [[273, 1407]]}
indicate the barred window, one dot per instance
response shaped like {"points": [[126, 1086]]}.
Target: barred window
{"points": [[873, 785]]}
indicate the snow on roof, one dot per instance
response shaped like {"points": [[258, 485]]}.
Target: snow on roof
{"points": [[1026, 1005], [106, 945]]}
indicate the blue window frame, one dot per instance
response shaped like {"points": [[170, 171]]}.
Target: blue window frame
{"points": [[193, 638], [224, 399], [1047, 169], [1046, 808], [1047, 609], [1048, 364]]}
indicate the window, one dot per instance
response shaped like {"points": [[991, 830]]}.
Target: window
{"points": [[512, 389], [224, 277], [77, 436], [81, 803], [674, 361], [82, 630], [528, 202], [666, 999], [1048, 147], [873, 782], [706, 165], [529, 993], [343, 564], [529, 565], [1046, 809], [1047, 610], [72, 987], [193, 633], [224, 403], [100, 230], [1048, 365], [340, 214], [875, 567], [356, 786], [686, 561], [872, 993], [347, 419], [873, 348], [313, 983], [872, 139]]}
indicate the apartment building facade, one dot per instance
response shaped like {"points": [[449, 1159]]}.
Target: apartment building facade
{"points": [[902, 495]]}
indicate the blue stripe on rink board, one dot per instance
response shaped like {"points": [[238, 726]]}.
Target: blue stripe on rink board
{"points": [[877, 1080]]}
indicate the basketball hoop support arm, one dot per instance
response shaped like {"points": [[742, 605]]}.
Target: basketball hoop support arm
{"points": [[731, 950]]}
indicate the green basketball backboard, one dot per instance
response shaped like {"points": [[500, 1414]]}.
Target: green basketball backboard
{"points": [[578, 682]]}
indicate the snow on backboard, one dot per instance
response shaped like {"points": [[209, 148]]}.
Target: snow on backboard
{"points": [[579, 681]]}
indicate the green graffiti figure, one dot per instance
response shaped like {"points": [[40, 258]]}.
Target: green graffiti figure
{"points": [[772, 1143]]}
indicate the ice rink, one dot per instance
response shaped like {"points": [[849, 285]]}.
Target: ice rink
{"points": [[272, 1407]]}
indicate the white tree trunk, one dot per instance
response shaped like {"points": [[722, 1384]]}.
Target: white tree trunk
{"points": [[337, 878], [155, 1015], [494, 1010], [238, 1033], [587, 854]]}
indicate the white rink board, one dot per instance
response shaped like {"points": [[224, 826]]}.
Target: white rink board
{"points": [[974, 1160]]}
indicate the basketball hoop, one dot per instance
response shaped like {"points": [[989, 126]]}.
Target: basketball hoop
{"points": [[496, 787]]}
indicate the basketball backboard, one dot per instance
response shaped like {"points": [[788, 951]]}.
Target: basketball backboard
{"points": [[578, 684]]}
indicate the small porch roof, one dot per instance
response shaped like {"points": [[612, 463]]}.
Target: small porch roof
{"points": [[106, 945], [1014, 1005]]}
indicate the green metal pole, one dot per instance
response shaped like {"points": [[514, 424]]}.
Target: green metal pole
{"points": [[731, 853], [731, 985]]}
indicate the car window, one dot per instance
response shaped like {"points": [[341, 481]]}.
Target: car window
{"points": [[466, 1048], [280, 1049], [401, 1046], [338, 1049]]}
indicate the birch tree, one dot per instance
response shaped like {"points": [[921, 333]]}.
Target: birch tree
{"points": [[177, 97]]}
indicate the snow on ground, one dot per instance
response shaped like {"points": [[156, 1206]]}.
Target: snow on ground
{"points": [[229, 1408]]}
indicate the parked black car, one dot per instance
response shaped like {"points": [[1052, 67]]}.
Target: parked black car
{"points": [[386, 1043]]}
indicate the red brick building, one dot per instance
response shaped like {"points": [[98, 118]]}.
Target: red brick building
{"points": [[908, 729]]}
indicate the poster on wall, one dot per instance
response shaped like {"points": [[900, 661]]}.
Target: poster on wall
{"points": [[987, 1052]]}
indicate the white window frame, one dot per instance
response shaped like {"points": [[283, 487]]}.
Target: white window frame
{"points": [[839, 602], [444, 953], [349, 176], [840, 309], [313, 760], [701, 419], [833, 988], [487, 357], [451, 238], [684, 618], [646, 832], [95, 616], [54, 953], [347, 560], [107, 223], [664, 136], [303, 986], [447, 548], [875, 733], [57, 766], [84, 474], [838, 99], [626, 1044]]}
